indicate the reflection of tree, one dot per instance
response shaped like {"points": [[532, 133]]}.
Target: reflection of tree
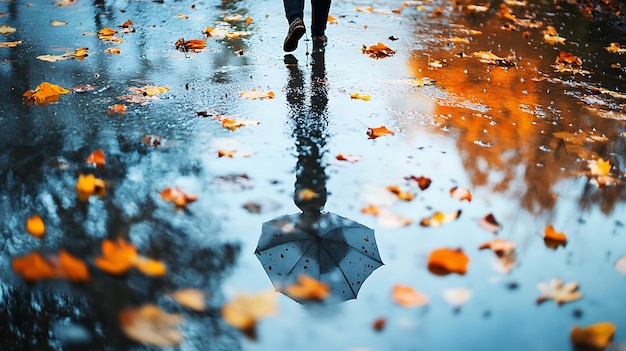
{"points": [[505, 123]]}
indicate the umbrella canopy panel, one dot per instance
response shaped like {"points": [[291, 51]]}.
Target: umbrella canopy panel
{"points": [[334, 250]]}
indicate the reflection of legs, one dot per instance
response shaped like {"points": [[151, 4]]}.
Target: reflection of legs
{"points": [[319, 11]]}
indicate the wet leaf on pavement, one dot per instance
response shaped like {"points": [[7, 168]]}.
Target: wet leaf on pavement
{"points": [[490, 224], [499, 246], [150, 325], [559, 292], [348, 158], [88, 185], [596, 336], [257, 94], [96, 158], [376, 132], [378, 51], [552, 238], [439, 218], [35, 226], [445, 261], [406, 296], [190, 45], [461, 194], [359, 96], [44, 93], [245, 310], [177, 196], [193, 299]]}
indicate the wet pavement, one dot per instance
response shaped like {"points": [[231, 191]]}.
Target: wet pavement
{"points": [[516, 131]]}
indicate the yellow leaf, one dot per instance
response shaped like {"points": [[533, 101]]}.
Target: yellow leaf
{"points": [[190, 298], [245, 310], [44, 93], [58, 23], [10, 44], [35, 226], [600, 167], [88, 185], [80, 53], [360, 96], [149, 266], [596, 336], [151, 326], [4, 29]]}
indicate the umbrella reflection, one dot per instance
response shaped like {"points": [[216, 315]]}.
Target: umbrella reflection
{"points": [[334, 250]]}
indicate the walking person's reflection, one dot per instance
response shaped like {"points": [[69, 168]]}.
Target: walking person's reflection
{"points": [[309, 120]]}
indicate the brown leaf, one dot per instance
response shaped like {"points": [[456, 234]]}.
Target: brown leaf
{"points": [[349, 158], [422, 182], [150, 325], [378, 51], [406, 196], [461, 194], [490, 224], [499, 246], [569, 59], [190, 45], [552, 238]]}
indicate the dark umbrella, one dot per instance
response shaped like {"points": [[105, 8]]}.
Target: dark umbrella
{"points": [[332, 249]]}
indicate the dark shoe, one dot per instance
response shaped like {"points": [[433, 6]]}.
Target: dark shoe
{"points": [[296, 31]]}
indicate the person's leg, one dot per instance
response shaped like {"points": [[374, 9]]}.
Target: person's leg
{"points": [[319, 12], [294, 9]]}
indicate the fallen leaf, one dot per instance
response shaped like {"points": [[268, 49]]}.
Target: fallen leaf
{"points": [[461, 194], [390, 220], [222, 153], [113, 51], [596, 336], [457, 297], [379, 324], [233, 18], [73, 268], [88, 185], [364, 9], [559, 292], [149, 266], [499, 246], [58, 23], [150, 325], [4, 29], [444, 261], [233, 124], [180, 15], [615, 48], [190, 298], [117, 256], [349, 158], [80, 53], [478, 8], [257, 94], [359, 96], [127, 24], [332, 20], [406, 196], [406, 296], [307, 288], [378, 51], [177, 196], [439, 218], [374, 133], [10, 44], [553, 39], [490, 224], [599, 167], [244, 311], [54, 58], [371, 209], [552, 238], [569, 59], [190, 45], [108, 34], [44, 93], [33, 267], [150, 90], [422, 182], [506, 262], [97, 158], [84, 88], [248, 20], [35, 226], [118, 108]]}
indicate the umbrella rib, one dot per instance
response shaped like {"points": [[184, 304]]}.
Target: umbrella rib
{"points": [[337, 264], [299, 259]]}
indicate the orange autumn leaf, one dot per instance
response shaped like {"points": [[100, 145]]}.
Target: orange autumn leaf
{"points": [[150, 90], [106, 32], [33, 267], [88, 185], [359, 96], [118, 108], [80, 53], [73, 268], [117, 256], [569, 58], [232, 124], [444, 261], [190, 45], [248, 20], [596, 336], [222, 153], [127, 24], [461, 194], [97, 158], [406, 296], [307, 288], [600, 167], [113, 51], [349, 158], [257, 94], [422, 182], [177, 196], [371, 209], [151, 326], [35, 226], [406, 196], [332, 20], [149, 266], [374, 133], [550, 233], [439, 218], [244, 311], [44, 93], [378, 51]]}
